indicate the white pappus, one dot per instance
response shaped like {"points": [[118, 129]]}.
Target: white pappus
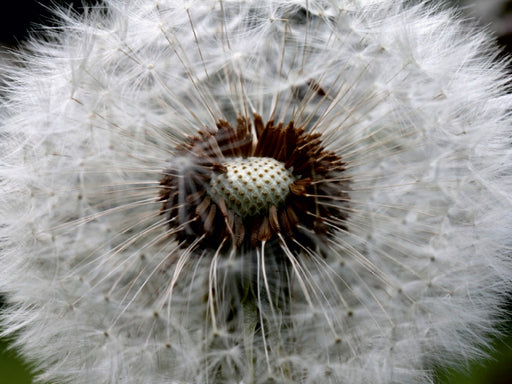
{"points": [[307, 191]]}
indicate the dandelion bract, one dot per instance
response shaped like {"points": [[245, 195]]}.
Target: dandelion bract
{"points": [[255, 192]]}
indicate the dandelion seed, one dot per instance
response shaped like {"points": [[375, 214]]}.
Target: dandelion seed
{"points": [[254, 192]]}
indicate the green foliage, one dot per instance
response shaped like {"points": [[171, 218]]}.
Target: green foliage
{"points": [[497, 369], [13, 370]]}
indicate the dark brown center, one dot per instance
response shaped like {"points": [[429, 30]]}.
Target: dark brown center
{"points": [[245, 185]]}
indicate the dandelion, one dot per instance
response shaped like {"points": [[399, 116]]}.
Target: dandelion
{"points": [[255, 192]]}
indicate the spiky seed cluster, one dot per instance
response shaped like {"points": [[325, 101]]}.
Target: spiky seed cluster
{"points": [[248, 189], [387, 253], [251, 186]]}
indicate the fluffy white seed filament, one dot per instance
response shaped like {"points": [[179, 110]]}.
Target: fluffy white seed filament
{"points": [[252, 185]]}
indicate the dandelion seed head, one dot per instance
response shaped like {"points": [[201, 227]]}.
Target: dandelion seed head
{"points": [[384, 251], [252, 185], [253, 182]]}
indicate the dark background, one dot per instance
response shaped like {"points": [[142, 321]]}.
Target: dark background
{"points": [[18, 17]]}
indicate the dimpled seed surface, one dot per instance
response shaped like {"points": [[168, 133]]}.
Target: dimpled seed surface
{"points": [[251, 185]]}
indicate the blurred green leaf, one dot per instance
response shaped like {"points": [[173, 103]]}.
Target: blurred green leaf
{"points": [[497, 369], [12, 368]]}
